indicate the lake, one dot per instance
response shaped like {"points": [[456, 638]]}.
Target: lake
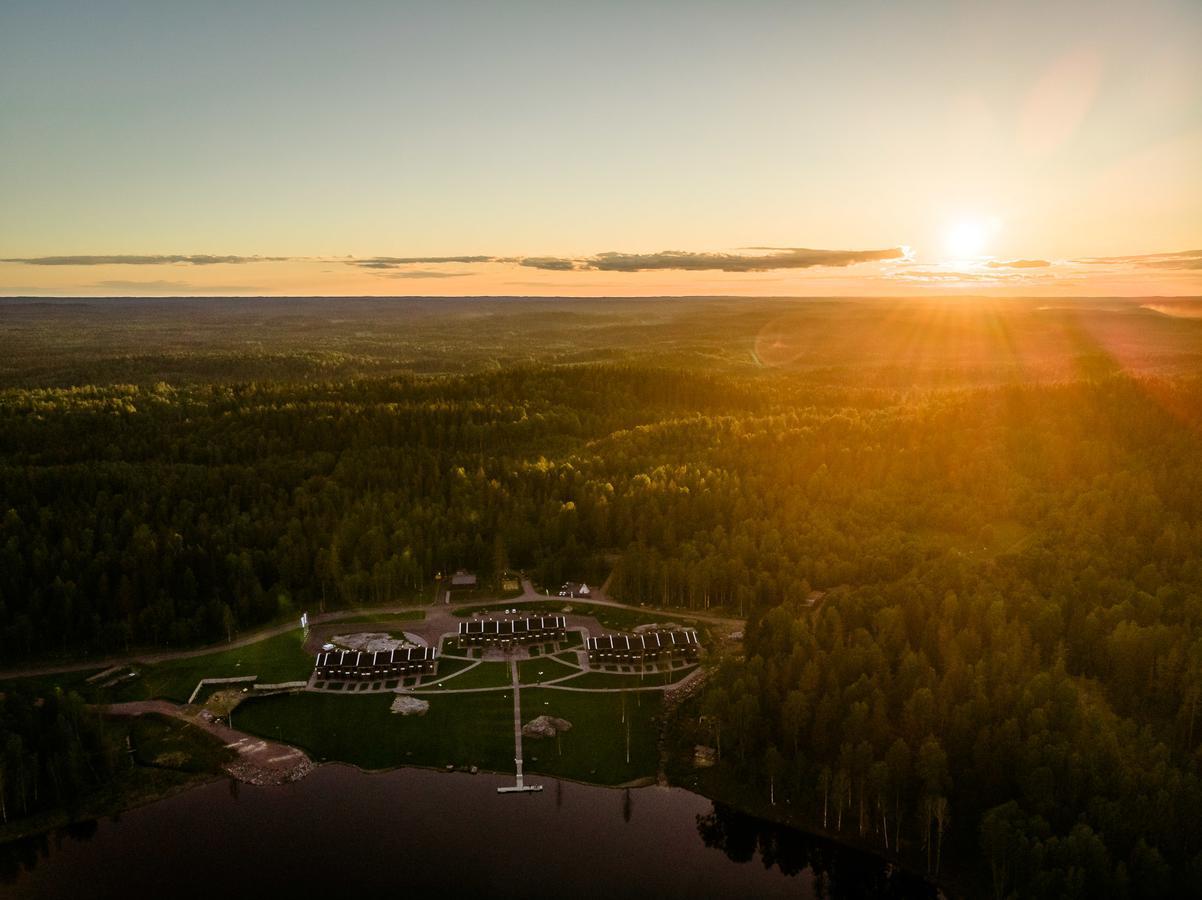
{"points": [[441, 834]]}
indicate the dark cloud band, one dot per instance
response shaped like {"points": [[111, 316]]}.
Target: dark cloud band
{"points": [[396, 262], [148, 260], [682, 260]]}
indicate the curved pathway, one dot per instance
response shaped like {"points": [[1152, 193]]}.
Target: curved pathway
{"points": [[528, 595]]}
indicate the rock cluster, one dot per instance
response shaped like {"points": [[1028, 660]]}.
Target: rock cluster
{"points": [[371, 641], [250, 773], [545, 726], [410, 706]]}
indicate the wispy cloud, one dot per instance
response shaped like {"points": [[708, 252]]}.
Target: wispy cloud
{"points": [[953, 275], [1018, 263], [1184, 259], [173, 287], [419, 273], [141, 260]]}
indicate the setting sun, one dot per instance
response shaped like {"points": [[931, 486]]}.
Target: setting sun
{"points": [[969, 238]]}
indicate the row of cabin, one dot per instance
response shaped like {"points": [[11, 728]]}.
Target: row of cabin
{"points": [[649, 646], [356, 665], [534, 628]]}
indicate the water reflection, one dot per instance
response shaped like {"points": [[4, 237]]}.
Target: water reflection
{"points": [[837, 872], [24, 854], [444, 835]]}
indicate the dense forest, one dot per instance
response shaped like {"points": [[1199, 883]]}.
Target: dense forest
{"points": [[55, 751], [967, 539]]}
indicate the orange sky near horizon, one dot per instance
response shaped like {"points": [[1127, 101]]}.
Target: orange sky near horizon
{"points": [[581, 149], [1168, 276]]}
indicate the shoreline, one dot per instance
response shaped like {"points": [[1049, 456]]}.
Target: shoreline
{"points": [[116, 805]]}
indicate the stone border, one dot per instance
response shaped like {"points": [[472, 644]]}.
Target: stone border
{"points": [[236, 680]]}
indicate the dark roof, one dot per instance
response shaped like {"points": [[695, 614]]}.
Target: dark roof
{"points": [[529, 625], [648, 640], [355, 659]]}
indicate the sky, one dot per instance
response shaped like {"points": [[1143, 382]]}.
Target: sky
{"points": [[565, 148]]}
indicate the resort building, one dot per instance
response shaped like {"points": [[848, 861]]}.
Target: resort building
{"points": [[355, 665], [490, 631], [650, 646]]}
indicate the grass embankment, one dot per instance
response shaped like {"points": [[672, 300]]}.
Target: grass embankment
{"points": [[459, 729], [171, 744], [595, 748], [276, 659], [466, 730]]}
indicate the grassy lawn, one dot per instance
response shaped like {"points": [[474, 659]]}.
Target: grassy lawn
{"points": [[595, 749], [44, 684], [461, 730], [444, 667], [485, 674], [275, 659], [171, 744], [551, 668], [623, 680], [466, 730]]}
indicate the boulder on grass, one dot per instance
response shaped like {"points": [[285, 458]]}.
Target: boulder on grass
{"points": [[545, 726], [410, 706]]}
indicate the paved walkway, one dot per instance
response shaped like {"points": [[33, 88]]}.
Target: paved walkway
{"points": [[528, 595], [520, 786], [258, 762]]}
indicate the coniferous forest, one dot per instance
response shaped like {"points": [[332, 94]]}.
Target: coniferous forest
{"points": [[966, 535]]}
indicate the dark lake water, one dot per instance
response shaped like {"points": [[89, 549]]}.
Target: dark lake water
{"points": [[341, 832]]}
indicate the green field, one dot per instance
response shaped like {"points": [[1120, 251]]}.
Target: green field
{"points": [[595, 748], [68, 681], [276, 659], [618, 680], [485, 674], [445, 667], [465, 730], [459, 729], [550, 666]]}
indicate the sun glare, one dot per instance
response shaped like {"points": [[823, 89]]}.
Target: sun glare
{"points": [[969, 238]]}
